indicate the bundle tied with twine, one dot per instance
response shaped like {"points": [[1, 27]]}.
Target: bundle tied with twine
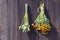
{"points": [[42, 22], [25, 23]]}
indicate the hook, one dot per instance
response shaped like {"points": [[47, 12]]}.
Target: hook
{"points": [[38, 9]]}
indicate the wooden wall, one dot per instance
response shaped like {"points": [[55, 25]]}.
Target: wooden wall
{"points": [[8, 19], [52, 12], [12, 12]]}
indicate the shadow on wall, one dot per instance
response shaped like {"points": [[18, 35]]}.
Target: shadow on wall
{"points": [[53, 34], [32, 33]]}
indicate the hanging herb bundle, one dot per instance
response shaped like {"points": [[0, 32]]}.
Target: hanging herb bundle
{"points": [[42, 22], [25, 24]]}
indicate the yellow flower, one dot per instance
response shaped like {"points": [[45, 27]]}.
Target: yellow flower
{"points": [[34, 26], [44, 30], [38, 28]]}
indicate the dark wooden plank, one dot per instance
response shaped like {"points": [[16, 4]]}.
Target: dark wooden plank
{"points": [[53, 15], [52, 12], [32, 11], [21, 11]]}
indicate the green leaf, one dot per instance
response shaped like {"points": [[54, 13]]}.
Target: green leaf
{"points": [[41, 18]]}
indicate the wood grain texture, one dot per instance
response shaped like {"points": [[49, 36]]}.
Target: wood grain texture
{"points": [[8, 19], [3, 20], [11, 15], [51, 11], [12, 19]]}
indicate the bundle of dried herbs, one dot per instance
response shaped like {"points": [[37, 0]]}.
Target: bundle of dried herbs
{"points": [[25, 23], [42, 22]]}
